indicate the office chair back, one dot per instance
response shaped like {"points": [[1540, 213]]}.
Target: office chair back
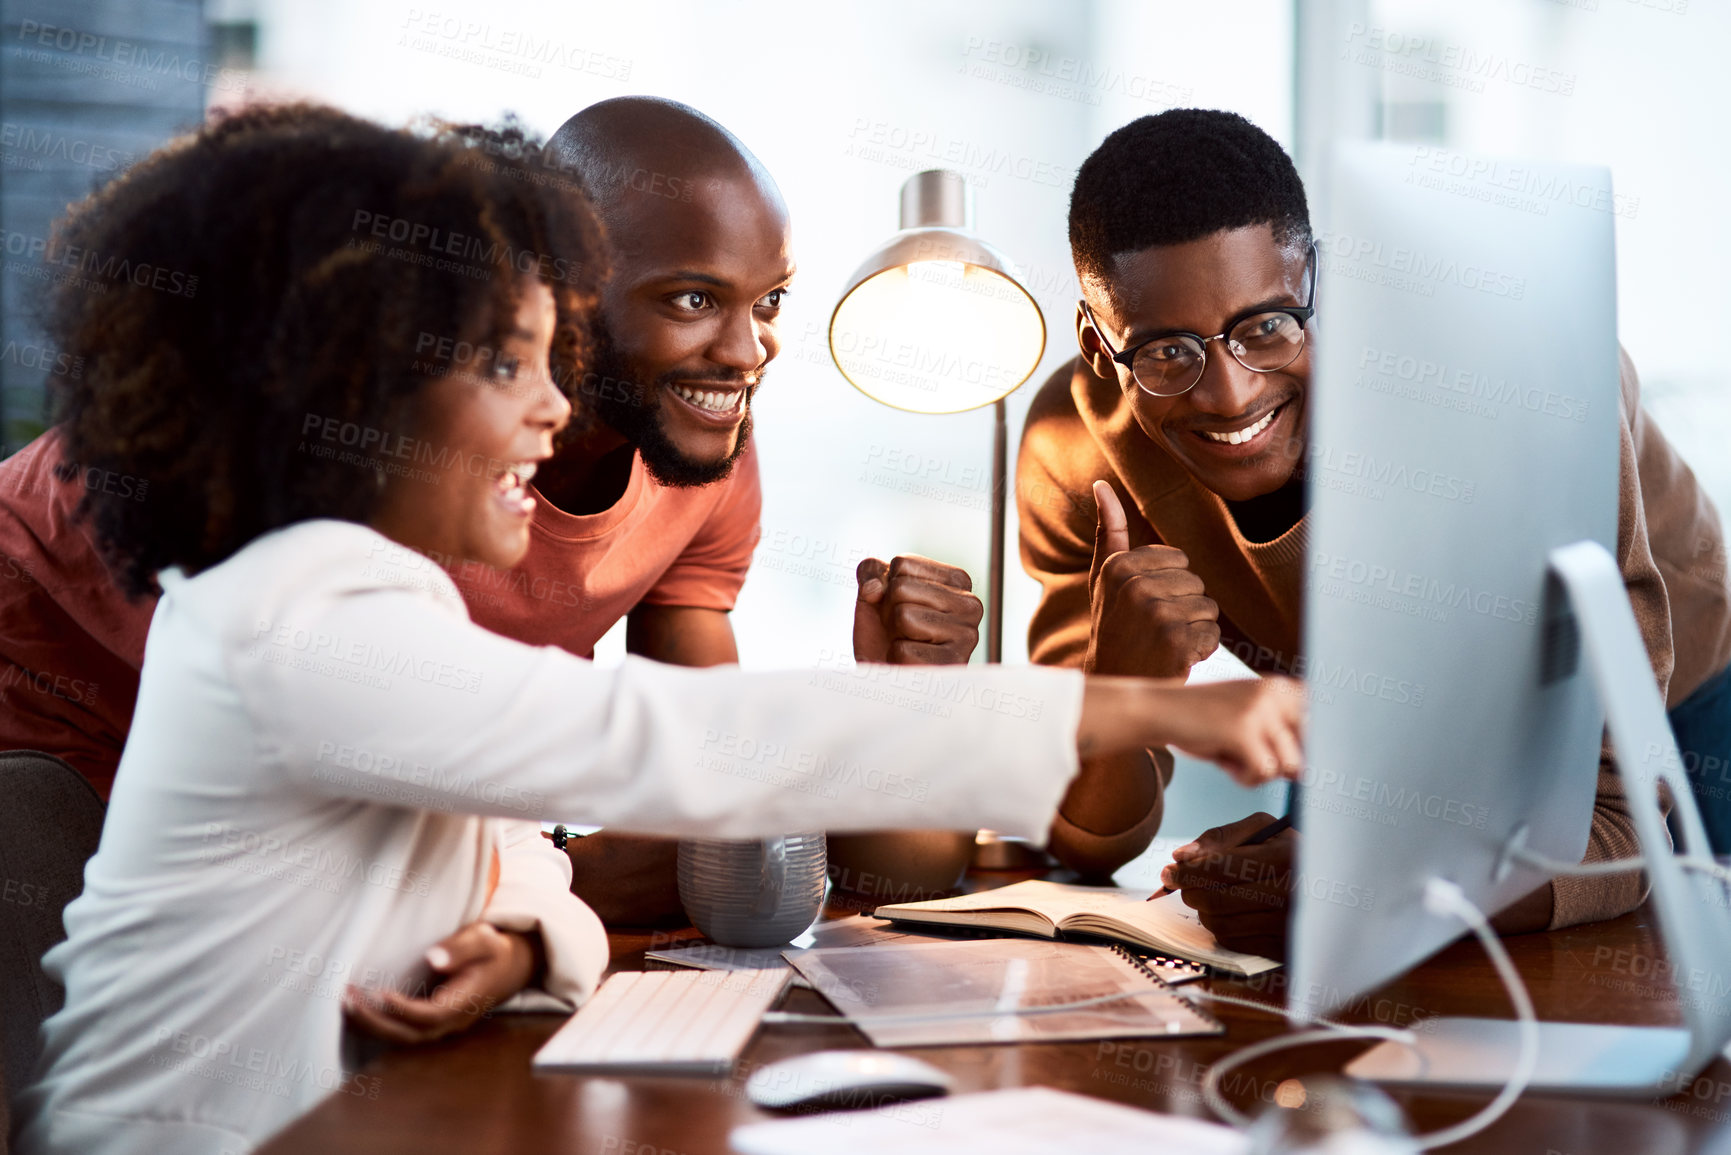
{"points": [[50, 823]]}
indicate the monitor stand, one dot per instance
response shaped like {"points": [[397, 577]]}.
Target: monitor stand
{"points": [[1480, 1054], [1691, 907]]}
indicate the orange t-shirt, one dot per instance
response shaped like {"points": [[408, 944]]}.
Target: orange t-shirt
{"points": [[71, 643], [657, 546]]}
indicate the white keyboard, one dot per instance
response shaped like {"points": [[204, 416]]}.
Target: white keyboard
{"points": [[666, 1022]]}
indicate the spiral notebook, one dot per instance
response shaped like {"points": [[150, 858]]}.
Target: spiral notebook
{"points": [[928, 994]]}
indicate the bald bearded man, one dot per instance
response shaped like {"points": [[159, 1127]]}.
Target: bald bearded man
{"points": [[656, 484]]}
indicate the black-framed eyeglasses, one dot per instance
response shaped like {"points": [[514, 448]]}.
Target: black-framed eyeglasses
{"points": [[1262, 340]]}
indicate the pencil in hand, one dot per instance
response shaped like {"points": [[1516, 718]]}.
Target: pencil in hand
{"points": [[1272, 830]]}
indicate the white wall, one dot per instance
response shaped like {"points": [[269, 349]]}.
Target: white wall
{"points": [[1642, 87]]}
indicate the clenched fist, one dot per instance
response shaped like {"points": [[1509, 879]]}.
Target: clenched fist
{"points": [[1149, 615], [913, 611]]}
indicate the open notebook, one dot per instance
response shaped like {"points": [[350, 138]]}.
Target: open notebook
{"points": [[1052, 910]]}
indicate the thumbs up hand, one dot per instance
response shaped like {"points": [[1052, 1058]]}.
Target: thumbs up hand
{"points": [[1148, 613]]}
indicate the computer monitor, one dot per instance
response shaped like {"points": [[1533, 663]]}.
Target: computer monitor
{"points": [[1464, 430]]}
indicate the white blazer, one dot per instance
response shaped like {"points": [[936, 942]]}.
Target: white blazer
{"points": [[325, 761]]}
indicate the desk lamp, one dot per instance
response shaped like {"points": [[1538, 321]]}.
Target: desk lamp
{"points": [[936, 321]]}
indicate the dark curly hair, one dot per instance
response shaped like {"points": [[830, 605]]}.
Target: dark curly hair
{"points": [[1179, 176], [281, 268]]}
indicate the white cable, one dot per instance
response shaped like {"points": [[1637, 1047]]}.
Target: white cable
{"points": [[1441, 897], [1712, 869], [1192, 993], [1616, 865], [1577, 869]]}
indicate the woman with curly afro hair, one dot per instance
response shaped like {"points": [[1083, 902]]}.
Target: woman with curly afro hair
{"points": [[325, 823]]}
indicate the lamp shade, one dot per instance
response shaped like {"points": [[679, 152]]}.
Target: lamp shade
{"points": [[936, 321]]}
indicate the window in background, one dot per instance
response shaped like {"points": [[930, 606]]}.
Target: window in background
{"points": [[1624, 83], [85, 90]]}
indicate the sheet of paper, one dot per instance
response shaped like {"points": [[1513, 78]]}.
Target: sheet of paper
{"points": [[1022, 1121]]}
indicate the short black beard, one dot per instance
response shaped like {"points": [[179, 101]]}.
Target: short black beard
{"points": [[635, 414]]}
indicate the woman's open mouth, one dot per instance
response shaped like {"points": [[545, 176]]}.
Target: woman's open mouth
{"points": [[511, 488]]}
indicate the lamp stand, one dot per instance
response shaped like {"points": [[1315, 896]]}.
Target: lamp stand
{"points": [[995, 567], [993, 851]]}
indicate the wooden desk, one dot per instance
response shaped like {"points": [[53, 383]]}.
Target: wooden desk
{"points": [[476, 1093]]}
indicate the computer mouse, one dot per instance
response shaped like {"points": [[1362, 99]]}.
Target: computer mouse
{"points": [[840, 1080]]}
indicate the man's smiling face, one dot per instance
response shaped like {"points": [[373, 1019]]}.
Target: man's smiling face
{"points": [[1199, 287], [690, 316]]}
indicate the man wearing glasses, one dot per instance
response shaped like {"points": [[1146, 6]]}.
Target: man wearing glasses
{"points": [[1162, 500]]}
